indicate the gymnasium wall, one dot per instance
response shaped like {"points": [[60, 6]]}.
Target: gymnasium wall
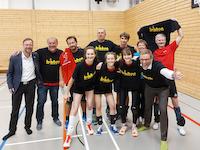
{"points": [[15, 25], [188, 53]]}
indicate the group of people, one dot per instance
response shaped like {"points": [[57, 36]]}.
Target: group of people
{"points": [[87, 74]]}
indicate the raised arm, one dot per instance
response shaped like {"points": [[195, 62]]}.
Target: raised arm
{"points": [[180, 36]]}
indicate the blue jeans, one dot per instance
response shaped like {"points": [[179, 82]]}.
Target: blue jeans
{"points": [[42, 98]]}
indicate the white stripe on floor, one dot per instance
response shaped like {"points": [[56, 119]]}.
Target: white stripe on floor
{"points": [[111, 136], [35, 141], [83, 130]]}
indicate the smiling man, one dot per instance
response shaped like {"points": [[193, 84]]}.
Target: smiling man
{"points": [[166, 55], [21, 79], [49, 68]]}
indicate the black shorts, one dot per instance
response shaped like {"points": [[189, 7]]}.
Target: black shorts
{"points": [[102, 90], [82, 90], [172, 89], [71, 98]]}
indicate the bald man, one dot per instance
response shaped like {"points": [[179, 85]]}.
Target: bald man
{"points": [[49, 68]]}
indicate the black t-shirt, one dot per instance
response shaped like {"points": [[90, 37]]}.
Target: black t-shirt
{"points": [[102, 48], [49, 65], [149, 32], [118, 50], [78, 56], [130, 75], [105, 78], [84, 75], [153, 78]]}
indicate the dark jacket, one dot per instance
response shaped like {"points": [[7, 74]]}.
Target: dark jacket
{"points": [[14, 73]]}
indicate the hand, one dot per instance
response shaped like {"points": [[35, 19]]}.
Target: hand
{"points": [[15, 53], [11, 90], [177, 74], [174, 19], [67, 95], [119, 58], [98, 67]]}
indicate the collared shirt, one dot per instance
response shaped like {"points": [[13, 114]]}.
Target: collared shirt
{"points": [[28, 68]]}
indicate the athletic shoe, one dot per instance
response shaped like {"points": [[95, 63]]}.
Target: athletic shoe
{"points": [[134, 132], [67, 142], [99, 130], [94, 119], [163, 145], [123, 129], [89, 129], [114, 129], [66, 124], [181, 130], [140, 122], [155, 126], [142, 128]]}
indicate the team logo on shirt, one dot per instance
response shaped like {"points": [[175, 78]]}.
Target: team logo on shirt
{"points": [[106, 79], [78, 60], [101, 48], [146, 77], [52, 62], [89, 76], [156, 29], [126, 73]]}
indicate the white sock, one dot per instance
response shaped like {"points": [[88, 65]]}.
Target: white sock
{"points": [[71, 125], [89, 116]]}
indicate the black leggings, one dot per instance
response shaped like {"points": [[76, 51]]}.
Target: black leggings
{"points": [[141, 100], [122, 104]]}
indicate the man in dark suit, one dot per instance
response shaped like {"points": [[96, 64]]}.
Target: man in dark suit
{"points": [[21, 79]]}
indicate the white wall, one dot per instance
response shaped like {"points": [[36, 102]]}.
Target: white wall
{"points": [[22, 4], [119, 5], [4, 4], [62, 4]]}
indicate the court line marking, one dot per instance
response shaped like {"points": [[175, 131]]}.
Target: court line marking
{"points": [[186, 116], [111, 136], [83, 130], [35, 141], [44, 140]]}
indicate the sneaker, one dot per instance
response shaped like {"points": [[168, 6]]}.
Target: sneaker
{"points": [[134, 132], [39, 126], [90, 129], [66, 124], [163, 145], [99, 130], [142, 128], [139, 122], [114, 129], [67, 142], [94, 119], [123, 129], [155, 126], [57, 122], [181, 130]]}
